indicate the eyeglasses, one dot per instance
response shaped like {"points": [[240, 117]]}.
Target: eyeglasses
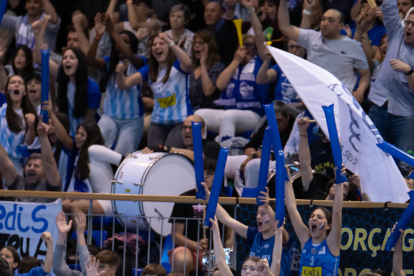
{"points": [[408, 23], [201, 43], [294, 47], [184, 127]]}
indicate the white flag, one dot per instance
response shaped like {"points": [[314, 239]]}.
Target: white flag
{"points": [[380, 177]]}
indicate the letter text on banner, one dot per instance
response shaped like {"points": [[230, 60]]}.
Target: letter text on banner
{"points": [[335, 145], [359, 136], [264, 164], [45, 53], [396, 152], [215, 189], [281, 174], [198, 159], [402, 223], [22, 223]]}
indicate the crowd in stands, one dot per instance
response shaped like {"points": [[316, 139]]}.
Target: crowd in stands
{"points": [[134, 75]]}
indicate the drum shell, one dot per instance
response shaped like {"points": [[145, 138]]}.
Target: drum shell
{"points": [[165, 174]]}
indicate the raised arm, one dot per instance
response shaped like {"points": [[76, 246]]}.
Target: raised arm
{"points": [[91, 58], [288, 30], [50, 10], [136, 60], [206, 83], [301, 230], [111, 8], [7, 167], [225, 76], [304, 153], [126, 82], [185, 61], [219, 253], [60, 130], [47, 238], [306, 22], [83, 40], [356, 8], [397, 258], [257, 27], [266, 75], [30, 133], [334, 238], [226, 219], [59, 265], [49, 163], [277, 250], [84, 255]]}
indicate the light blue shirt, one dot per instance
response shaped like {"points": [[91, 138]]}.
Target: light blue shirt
{"points": [[172, 102], [123, 104], [390, 85], [9, 140]]}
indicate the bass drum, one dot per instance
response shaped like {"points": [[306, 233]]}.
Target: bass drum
{"points": [[321, 180], [165, 174]]}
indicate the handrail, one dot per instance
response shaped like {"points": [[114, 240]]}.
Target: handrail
{"points": [[185, 199]]}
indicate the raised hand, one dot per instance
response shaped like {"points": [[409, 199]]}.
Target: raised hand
{"points": [[309, 4], [165, 37], [80, 220], [206, 190], [61, 224], [121, 67], [264, 198], [262, 268], [36, 26], [303, 124], [214, 224], [92, 268], [99, 26], [204, 55], [142, 32], [42, 128], [47, 238], [231, 4], [108, 23], [30, 120], [240, 54], [47, 105], [247, 3], [77, 19]]}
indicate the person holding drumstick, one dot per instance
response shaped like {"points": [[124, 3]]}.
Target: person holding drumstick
{"points": [[262, 238]]}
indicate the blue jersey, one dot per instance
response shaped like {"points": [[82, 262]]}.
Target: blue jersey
{"points": [[11, 142], [172, 102], [284, 91], [123, 104], [2, 99], [318, 260], [264, 249], [94, 101]]}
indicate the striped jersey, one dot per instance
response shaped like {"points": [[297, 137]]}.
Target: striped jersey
{"points": [[172, 102], [11, 141], [94, 101], [123, 104]]}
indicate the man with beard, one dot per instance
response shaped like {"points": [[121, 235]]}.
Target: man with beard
{"points": [[328, 45], [40, 171]]}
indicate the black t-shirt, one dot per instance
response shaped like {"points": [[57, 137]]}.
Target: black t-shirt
{"points": [[315, 190], [186, 210], [257, 140], [321, 158], [20, 184], [211, 149]]}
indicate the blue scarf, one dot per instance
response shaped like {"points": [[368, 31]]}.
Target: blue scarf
{"points": [[25, 36]]}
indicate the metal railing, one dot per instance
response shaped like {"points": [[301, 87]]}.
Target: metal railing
{"points": [[160, 236]]}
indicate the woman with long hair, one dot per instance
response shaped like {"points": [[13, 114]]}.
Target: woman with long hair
{"points": [[206, 69], [78, 96], [89, 163], [123, 119], [322, 234], [167, 73], [22, 64], [18, 118]]}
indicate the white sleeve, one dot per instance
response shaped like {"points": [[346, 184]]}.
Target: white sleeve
{"points": [[103, 154]]}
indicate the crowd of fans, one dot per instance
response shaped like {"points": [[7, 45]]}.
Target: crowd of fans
{"points": [[135, 75]]}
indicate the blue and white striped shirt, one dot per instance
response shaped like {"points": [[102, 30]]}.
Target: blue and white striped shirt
{"points": [[94, 100], [172, 102], [123, 104], [9, 140]]}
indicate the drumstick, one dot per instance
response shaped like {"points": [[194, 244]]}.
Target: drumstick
{"points": [[312, 121], [372, 4]]}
